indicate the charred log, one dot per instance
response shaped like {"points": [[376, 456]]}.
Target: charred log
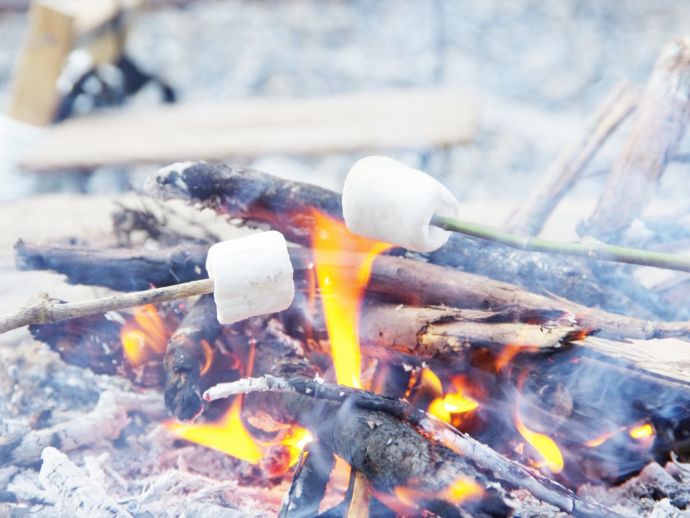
{"points": [[185, 358], [260, 199], [117, 268]]}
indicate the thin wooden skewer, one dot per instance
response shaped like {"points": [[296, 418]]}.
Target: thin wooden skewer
{"points": [[590, 249], [41, 309]]}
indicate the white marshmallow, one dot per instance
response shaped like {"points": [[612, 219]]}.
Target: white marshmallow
{"points": [[388, 201], [252, 276]]}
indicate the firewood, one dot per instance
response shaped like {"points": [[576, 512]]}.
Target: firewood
{"points": [[260, 199], [396, 278], [121, 269], [658, 127], [308, 482], [257, 127], [184, 359], [569, 164], [387, 451], [359, 496]]}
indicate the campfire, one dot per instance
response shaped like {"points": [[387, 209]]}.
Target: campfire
{"points": [[368, 354]]}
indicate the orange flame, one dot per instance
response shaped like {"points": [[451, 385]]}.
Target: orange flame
{"points": [[546, 447], [144, 337], [598, 441], [230, 436], [640, 432], [342, 289]]}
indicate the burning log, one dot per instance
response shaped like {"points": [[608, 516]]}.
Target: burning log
{"points": [[395, 278], [185, 358], [657, 129], [121, 269], [388, 452], [436, 333], [260, 199]]}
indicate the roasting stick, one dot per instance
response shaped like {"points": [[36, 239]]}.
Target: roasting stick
{"points": [[589, 248], [386, 200], [249, 276]]}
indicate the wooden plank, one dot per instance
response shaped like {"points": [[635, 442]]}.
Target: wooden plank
{"points": [[50, 36], [403, 119], [55, 28]]}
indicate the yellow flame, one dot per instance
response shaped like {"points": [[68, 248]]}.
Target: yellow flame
{"points": [[144, 337], [342, 289], [642, 431], [229, 435], [452, 403], [543, 444], [462, 489], [431, 380]]}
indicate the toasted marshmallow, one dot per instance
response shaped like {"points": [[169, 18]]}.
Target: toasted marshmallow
{"points": [[388, 201], [252, 276]]}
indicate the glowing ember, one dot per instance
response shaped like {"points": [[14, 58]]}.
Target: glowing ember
{"points": [[145, 336], [342, 289], [208, 357], [643, 431], [543, 444], [461, 490]]}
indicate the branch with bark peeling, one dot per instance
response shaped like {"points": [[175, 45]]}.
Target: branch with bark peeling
{"points": [[658, 127]]}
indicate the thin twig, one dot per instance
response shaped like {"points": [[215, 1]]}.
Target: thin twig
{"points": [[512, 472], [41, 309], [588, 248]]}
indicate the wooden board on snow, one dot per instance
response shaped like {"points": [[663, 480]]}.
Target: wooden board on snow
{"points": [[246, 129]]}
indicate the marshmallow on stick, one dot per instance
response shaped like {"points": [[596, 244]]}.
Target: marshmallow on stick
{"points": [[386, 200], [252, 276]]}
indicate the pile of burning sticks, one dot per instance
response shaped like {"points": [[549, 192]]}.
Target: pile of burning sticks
{"points": [[448, 392]]}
